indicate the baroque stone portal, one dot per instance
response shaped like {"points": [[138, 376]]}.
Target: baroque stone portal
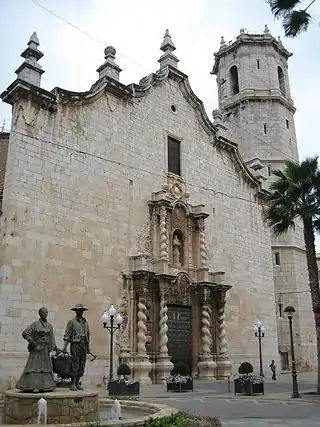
{"points": [[174, 305]]}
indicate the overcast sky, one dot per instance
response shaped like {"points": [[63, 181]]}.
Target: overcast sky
{"points": [[136, 28]]}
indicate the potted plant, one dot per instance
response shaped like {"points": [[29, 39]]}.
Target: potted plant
{"points": [[179, 379], [123, 385], [247, 382]]}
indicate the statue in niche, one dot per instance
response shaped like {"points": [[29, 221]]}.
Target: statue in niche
{"points": [[176, 251]]}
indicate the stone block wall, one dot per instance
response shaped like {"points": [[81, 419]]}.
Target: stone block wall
{"points": [[4, 141], [75, 206]]}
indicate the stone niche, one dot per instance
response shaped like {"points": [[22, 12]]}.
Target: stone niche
{"points": [[63, 406]]}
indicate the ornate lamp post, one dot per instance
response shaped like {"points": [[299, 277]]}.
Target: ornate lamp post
{"points": [[112, 327], [259, 332], [289, 312]]}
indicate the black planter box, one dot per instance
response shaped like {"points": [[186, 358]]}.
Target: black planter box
{"points": [[180, 387], [122, 389], [248, 388]]}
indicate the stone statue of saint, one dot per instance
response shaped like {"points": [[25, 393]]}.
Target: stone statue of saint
{"points": [[77, 334], [37, 375], [176, 251]]}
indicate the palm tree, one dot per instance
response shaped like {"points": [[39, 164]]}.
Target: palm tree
{"points": [[295, 20], [295, 196]]}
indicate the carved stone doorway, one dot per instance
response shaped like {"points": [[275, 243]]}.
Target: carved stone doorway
{"points": [[180, 334]]}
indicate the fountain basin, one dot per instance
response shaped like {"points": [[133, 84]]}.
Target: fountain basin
{"points": [[64, 406], [134, 413]]}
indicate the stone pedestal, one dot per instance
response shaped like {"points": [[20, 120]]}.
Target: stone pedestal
{"points": [[164, 368], [224, 368], [207, 368], [64, 407], [142, 368]]}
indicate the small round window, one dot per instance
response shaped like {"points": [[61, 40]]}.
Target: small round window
{"points": [[173, 108]]}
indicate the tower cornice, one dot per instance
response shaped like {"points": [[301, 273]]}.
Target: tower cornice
{"points": [[249, 39], [242, 98]]}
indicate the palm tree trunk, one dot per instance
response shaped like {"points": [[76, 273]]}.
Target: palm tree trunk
{"points": [[313, 274]]}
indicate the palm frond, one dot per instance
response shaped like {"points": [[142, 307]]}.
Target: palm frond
{"points": [[294, 194], [282, 227], [280, 7], [296, 22], [316, 224]]}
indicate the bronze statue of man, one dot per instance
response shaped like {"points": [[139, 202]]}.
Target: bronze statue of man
{"points": [[77, 334]]}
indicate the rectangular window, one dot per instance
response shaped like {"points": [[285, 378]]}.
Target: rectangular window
{"points": [[258, 64], [174, 156], [277, 258], [265, 129], [287, 123], [280, 309]]}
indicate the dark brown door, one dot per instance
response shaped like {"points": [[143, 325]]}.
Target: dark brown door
{"points": [[180, 334]]}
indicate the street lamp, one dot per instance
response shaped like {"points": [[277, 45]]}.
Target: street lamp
{"points": [[106, 317], [259, 332], [289, 312]]}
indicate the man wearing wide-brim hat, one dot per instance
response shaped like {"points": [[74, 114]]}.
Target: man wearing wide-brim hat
{"points": [[77, 334]]}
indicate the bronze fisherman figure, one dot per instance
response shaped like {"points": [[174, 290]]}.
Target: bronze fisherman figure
{"points": [[77, 334]]}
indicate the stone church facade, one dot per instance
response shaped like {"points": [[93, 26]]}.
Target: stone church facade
{"points": [[130, 194]]}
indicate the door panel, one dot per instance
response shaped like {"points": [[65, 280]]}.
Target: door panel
{"points": [[180, 334]]}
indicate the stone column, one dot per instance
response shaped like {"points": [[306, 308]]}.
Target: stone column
{"points": [[223, 363], [164, 365], [206, 365], [164, 254], [203, 246], [142, 365]]}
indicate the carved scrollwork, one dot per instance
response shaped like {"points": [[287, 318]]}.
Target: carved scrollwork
{"points": [[179, 290], [124, 336], [144, 242]]}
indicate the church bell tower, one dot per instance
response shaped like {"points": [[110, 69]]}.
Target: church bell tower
{"points": [[255, 98], [256, 108]]}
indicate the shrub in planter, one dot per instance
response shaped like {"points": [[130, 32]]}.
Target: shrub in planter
{"points": [[249, 384], [124, 370], [179, 381], [123, 386], [245, 368]]}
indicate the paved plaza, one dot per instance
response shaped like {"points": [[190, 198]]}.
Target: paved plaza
{"points": [[275, 409]]}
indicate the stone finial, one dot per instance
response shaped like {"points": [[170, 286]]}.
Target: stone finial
{"points": [[109, 68], [30, 71], [242, 30], [168, 58], [223, 42], [266, 29], [279, 40]]}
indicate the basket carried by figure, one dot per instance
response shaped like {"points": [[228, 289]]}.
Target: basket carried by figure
{"points": [[61, 365]]}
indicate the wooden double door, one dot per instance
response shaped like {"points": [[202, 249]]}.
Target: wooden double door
{"points": [[180, 334]]}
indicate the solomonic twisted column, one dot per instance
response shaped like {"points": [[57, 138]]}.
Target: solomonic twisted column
{"points": [[142, 329], [222, 331], [223, 362], [203, 246], [163, 328], [163, 234], [164, 366], [142, 364], [206, 364], [205, 331]]}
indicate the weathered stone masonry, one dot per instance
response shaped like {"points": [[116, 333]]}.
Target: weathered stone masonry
{"points": [[91, 214]]}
